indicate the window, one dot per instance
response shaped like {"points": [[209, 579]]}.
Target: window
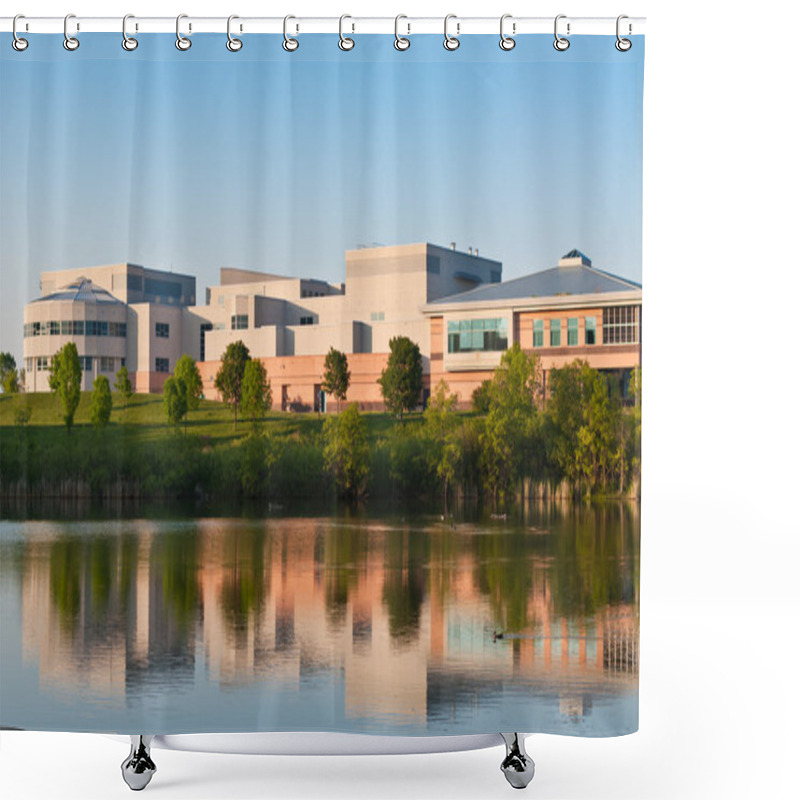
{"points": [[239, 322], [86, 363], [159, 288], [29, 365], [106, 364], [538, 333], [162, 365], [621, 325], [121, 329], [55, 328], [555, 333], [134, 283], [591, 330], [377, 316], [162, 330], [96, 327], [477, 335], [433, 264], [221, 299], [572, 331], [41, 363], [306, 320], [205, 326]]}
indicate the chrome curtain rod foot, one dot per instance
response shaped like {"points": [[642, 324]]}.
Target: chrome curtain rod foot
{"points": [[517, 766], [138, 768]]}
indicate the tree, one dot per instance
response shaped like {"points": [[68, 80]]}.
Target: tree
{"points": [[123, 384], [65, 381], [482, 397], [441, 424], [508, 435], [228, 380], [9, 377], [174, 400], [336, 379], [256, 391], [346, 453], [186, 370], [401, 380], [100, 408]]}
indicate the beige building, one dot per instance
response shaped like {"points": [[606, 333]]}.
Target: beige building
{"points": [[451, 303], [119, 314]]}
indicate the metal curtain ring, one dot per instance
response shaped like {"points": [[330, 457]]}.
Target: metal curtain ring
{"points": [[18, 43], [345, 43], [181, 41], [451, 42], [233, 44], [561, 43], [507, 42], [289, 44], [623, 45], [400, 42], [128, 42], [70, 42]]}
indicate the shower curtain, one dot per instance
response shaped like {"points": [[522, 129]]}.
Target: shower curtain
{"points": [[321, 372]]}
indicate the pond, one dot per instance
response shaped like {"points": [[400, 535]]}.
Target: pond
{"points": [[364, 623]]}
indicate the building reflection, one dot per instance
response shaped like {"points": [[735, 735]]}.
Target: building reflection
{"points": [[417, 621]]}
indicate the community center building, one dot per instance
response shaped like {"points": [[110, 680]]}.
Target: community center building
{"points": [[453, 304]]}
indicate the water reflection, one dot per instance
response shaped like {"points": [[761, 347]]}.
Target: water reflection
{"points": [[381, 625]]}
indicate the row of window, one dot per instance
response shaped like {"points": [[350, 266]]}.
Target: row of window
{"points": [[477, 335], [590, 328], [104, 363], [621, 325], [75, 327]]}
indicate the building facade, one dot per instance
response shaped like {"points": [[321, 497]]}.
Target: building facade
{"points": [[453, 304]]}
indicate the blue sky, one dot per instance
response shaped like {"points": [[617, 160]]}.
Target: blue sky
{"points": [[275, 161]]}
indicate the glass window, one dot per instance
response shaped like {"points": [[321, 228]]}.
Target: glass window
{"points": [[205, 326], [572, 331], [377, 316], [55, 328], [306, 320], [239, 322], [621, 325], [86, 363], [555, 333], [162, 365], [106, 364], [41, 363], [477, 335], [161, 288], [162, 330], [538, 333], [591, 330]]}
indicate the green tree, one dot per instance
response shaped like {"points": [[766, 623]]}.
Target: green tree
{"points": [[441, 427], [508, 437], [101, 404], [9, 378], [65, 381], [186, 370], [123, 385], [336, 378], [401, 380], [482, 397], [175, 400], [256, 391], [229, 377], [346, 452]]}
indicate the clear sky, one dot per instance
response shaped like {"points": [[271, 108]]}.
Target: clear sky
{"points": [[280, 162]]}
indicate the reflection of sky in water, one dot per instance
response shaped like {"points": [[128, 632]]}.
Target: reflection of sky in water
{"points": [[361, 626]]}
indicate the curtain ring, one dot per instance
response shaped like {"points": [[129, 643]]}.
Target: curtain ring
{"points": [[507, 42], [623, 45], [181, 42], [451, 42], [18, 43], [345, 43], [289, 44], [400, 42], [233, 44], [70, 42], [561, 43], [128, 42]]}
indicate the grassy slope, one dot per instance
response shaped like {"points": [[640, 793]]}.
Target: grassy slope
{"points": [[145, 419]]}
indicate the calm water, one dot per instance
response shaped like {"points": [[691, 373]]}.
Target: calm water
{"points": [[376, 625]]}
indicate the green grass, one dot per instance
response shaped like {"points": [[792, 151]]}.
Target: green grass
{"points": [[145, 420]]}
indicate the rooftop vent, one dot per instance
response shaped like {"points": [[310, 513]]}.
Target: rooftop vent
{"points": [[574, 259], [452, 245], [469, 250]]}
